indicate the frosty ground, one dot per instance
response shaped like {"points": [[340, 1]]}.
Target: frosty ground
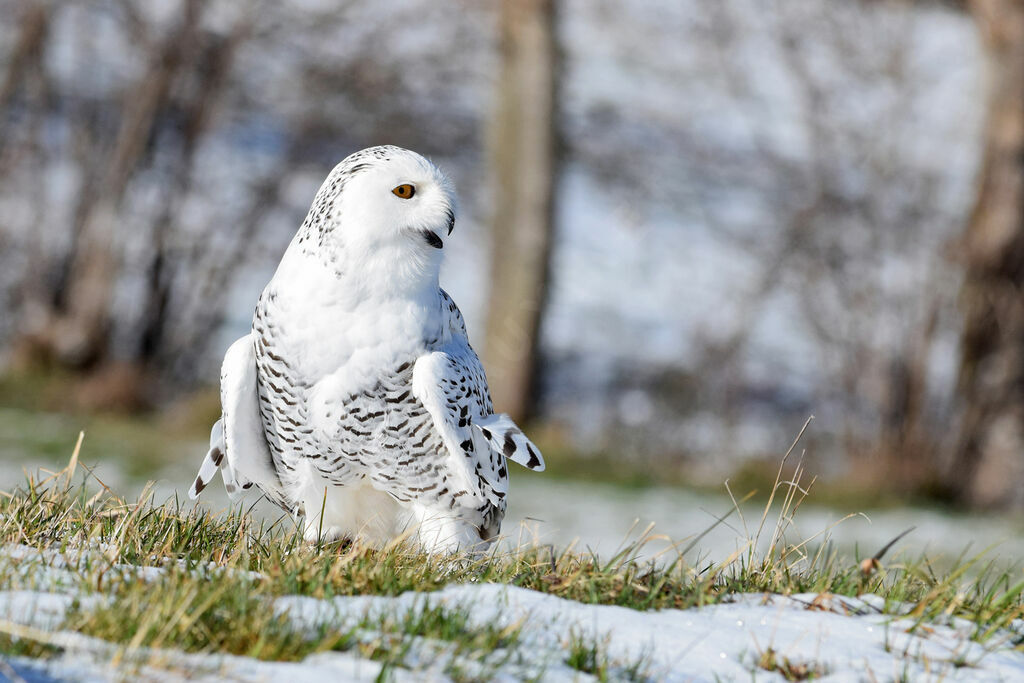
{"points": [[753, 636], [96, 587]]}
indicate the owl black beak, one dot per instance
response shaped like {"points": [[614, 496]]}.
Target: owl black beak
{"points": [[432, 239]]}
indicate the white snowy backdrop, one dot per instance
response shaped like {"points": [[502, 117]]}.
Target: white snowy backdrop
{"points": [[753, 213]]}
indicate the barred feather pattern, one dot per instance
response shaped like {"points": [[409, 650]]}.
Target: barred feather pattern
{"points": [[383, 433]]}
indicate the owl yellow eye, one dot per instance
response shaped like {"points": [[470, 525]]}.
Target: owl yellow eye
{"points": [[404, 191]]}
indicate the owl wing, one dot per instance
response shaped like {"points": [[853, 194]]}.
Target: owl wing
{"points": [[452, 386], [238, 445]]}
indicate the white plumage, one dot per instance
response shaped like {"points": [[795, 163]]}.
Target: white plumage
{"points": [[356, 400]]}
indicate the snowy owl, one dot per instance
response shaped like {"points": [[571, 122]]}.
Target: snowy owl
{"points": [[356, 401]]}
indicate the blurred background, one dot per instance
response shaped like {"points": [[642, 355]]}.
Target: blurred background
{"points": [[685, 227]]}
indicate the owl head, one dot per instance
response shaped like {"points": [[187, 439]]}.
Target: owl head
{"points": [[383, 199]]}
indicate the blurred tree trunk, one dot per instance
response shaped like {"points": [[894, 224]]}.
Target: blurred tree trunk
{"points": [[988, 466], [212, 67], [33, 29], [523, 158], [83, 298]]}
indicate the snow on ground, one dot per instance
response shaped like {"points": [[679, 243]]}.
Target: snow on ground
{"points": [[89, 659], [838, 638], [841, 638], [846, 638]]}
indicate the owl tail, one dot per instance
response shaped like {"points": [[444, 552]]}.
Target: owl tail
{"points": [[214, 461], [505, 437], [211, 463]]}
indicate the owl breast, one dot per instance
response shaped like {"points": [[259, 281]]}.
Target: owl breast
{"points": [[337, 399]]}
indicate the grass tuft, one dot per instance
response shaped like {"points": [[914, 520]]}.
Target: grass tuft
{"points": [[183, 613], [791, 670], [588, 654]]}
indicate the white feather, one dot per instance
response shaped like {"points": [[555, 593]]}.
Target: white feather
{"points": [[248, 456]]}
